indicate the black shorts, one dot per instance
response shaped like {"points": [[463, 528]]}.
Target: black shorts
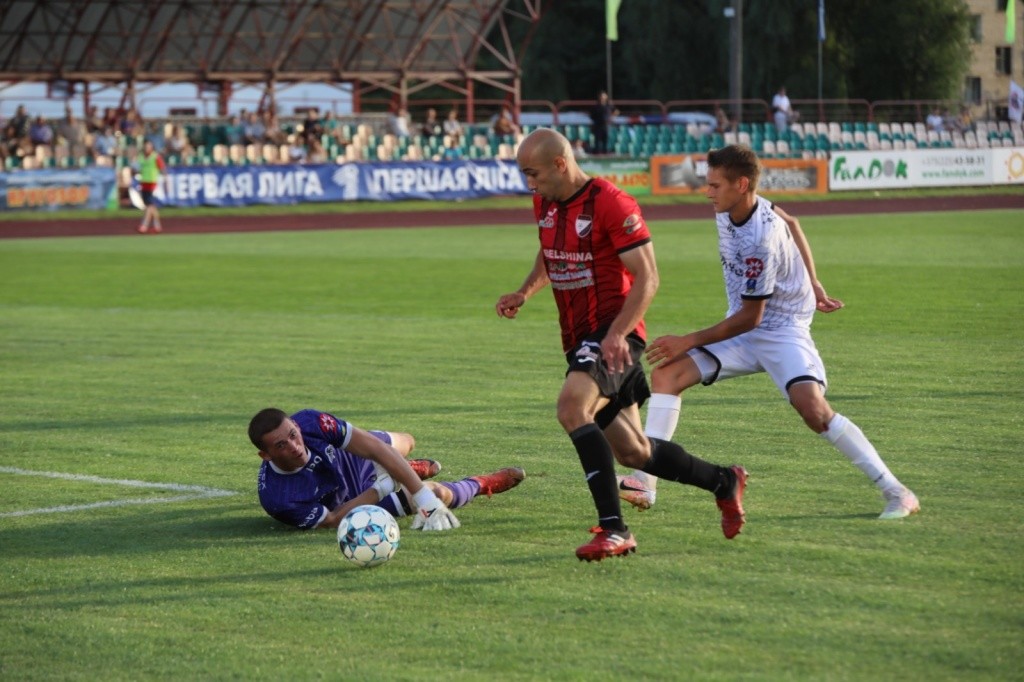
{"points": [[623, 389], [147, 197]]}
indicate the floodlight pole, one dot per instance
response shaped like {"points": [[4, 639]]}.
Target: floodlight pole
{"points": [[735, 14], [608, 67]]}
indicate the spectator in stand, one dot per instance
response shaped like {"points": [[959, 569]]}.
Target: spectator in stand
{"points": [[178, 145], [311, 125], [154, 132], [104, 144], [20, 123], [132, 124], [253, 129], [579, 149], [332, 128], [452, 126], [399, 123], [93, 120], [73, 132], [297, 149], [782, 110], [964, 123], [234, 133], [111, 118], [273, 133], [315, 152], [723, 124], [431, 126], [450, 151], [600, 119], [935, 121], [504, 123], [40, 133], [15, 135]]}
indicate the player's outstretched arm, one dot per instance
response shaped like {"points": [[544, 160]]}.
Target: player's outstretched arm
{"points": [[665, 350], [431, 512], [823, 301], [508, 305]]}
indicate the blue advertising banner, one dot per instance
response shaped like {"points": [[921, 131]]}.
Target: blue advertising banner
{"points": [[303, 183], [57, 189]]}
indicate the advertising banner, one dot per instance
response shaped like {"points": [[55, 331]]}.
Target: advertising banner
{"points": [[1007, 165], [687, 174], [301, 183], [903, 168], [630, 175], [57, 189]]}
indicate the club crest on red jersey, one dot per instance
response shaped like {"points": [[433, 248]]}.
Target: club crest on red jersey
{"points": [[632, 223], [584, 224]]}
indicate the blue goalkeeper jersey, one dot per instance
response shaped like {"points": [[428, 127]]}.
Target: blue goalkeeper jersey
{"points": [[331, 477]]}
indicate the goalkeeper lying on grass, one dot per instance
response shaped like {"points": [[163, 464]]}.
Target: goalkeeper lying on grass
{"points": [[317, 467]]}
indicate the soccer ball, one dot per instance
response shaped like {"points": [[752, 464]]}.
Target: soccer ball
{"points": [[368, 536]]}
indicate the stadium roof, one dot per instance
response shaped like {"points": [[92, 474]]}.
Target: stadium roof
{"points": [[398, 46]]}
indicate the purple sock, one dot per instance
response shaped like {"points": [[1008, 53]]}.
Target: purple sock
{"points": [[463, 491]]}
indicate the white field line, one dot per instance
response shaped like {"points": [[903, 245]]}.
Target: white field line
{"points": [[193, 492]]}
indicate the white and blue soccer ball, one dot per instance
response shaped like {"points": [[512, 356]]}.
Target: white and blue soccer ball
{"points": [[368, 536]]}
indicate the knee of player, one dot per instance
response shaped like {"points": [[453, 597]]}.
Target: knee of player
{"points": [[572, 416], [667, 380]]}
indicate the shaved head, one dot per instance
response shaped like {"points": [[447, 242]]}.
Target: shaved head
{"points": [[543, 145], [545, 157]]}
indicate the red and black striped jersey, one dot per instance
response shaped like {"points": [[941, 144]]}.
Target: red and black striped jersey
{"points": [[581, 241]]}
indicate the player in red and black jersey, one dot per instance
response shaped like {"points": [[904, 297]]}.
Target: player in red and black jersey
{"points": [[597, 255]]}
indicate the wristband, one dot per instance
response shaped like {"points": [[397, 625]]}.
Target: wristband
{"points": [[425, 498]]}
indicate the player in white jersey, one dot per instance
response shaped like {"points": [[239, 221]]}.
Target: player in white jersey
{"points": [[773, 292]]}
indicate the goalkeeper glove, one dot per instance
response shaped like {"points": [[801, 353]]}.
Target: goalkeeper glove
{"points": [[431, 513]]}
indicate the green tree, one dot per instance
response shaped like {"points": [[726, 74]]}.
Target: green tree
{"points": [[917, 49], [679, 49]]}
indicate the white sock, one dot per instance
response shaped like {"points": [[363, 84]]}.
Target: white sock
{"points": [[662, 415], [851, 441], [662, 418]]}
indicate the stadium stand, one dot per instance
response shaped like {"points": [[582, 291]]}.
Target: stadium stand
{"points": [[368, 138]]}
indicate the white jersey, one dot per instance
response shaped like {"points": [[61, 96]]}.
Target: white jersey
{"points": [[760, 260]]}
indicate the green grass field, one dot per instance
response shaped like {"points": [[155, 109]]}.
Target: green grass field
{"points": [[131, 359]]}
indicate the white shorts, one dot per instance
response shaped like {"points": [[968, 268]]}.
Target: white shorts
{"points": [[787, 354]]}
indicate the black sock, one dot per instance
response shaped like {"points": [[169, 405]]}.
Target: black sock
{"points": [[599, 466], [670, 461]]}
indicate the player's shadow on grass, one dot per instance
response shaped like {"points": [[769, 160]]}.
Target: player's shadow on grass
{"points": [[137, 530], [103, 425]]}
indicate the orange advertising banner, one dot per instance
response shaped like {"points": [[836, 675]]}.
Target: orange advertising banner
{"points": [[687, 174]]}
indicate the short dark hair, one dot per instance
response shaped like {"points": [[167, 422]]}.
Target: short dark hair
{"points": [[265, 421], [736, 161]]}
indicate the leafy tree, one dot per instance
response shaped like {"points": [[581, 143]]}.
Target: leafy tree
{"points": [[679, 49]]}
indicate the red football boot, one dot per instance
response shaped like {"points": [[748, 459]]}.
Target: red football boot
{"points": [[606, 543], [425, 468], [733, 516], [500, 481]]}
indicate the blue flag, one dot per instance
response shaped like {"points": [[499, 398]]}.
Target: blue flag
{"points": [[821, 21]]}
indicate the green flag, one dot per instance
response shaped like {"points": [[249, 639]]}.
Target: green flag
{"points": [[1011, 21], [611, 11]]}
